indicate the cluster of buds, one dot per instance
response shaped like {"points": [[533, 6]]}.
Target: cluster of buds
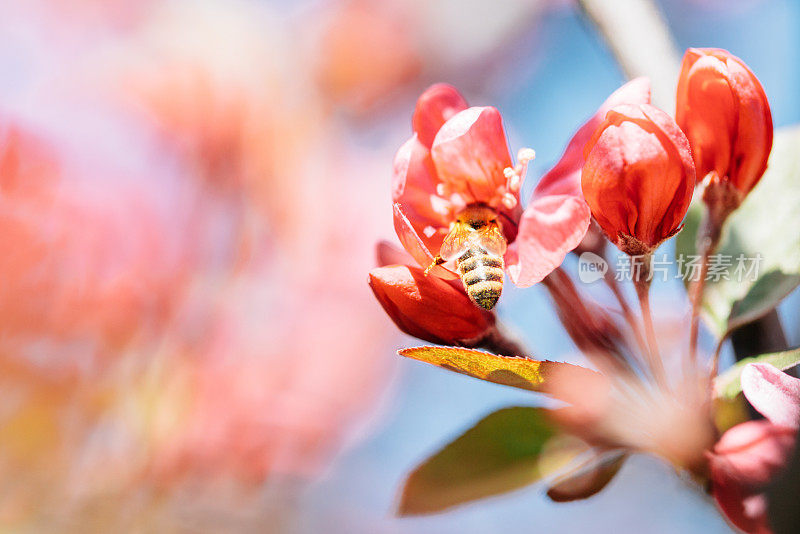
{"points": [[641, 164], [630, 172]]}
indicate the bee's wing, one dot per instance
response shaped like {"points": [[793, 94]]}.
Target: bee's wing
{"points": [[491, 238], [456, 242]]}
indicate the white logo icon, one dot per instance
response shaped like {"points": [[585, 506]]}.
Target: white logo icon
{"points": [[591, 267]]}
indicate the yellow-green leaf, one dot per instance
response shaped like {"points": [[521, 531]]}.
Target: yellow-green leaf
{"points": [[729, 412], [515, 371], [499, 454]]}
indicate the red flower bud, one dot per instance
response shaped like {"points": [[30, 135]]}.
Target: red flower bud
{"points": [[428, 307], [723, 110], [638, 177]]}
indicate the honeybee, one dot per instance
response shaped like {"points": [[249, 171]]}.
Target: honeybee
{"points": [[477, 243]]}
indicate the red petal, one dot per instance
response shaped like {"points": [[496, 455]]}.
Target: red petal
{"points": [[754, 451], [773, 393], [470, 153], [428, 307], [744, 460], [437, 104], [706, 112], [414, 183], [388, 254], [550, 227], [754, 135], [677, 146], [415, 246]]}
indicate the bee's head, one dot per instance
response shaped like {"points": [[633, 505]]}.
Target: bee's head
{"points": [[476, 216]]}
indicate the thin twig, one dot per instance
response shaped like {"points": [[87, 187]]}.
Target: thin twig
{"points": [[715, 357], [721, 199], [696, 300], [641, 281], [627, 312]]}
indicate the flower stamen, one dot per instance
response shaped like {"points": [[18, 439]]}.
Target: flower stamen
{"points": [[514, 177]]}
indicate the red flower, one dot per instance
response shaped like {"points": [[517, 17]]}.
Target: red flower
{"points": [[639, 177], [748, 456], [723, 110], [459, 156]]}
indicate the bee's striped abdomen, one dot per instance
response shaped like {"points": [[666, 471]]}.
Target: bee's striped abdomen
{"points": [[482, 274]]}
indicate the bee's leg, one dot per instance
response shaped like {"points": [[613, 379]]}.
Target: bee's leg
{"points": [[436, 261]]}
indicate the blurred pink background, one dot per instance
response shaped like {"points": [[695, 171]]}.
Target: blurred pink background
{"points": [[190, 195]]}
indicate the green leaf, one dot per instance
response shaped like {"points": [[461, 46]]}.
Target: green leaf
{"points": [[502, 452], [515, 371], [762, 297], [766, 223], [729, 384]]}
